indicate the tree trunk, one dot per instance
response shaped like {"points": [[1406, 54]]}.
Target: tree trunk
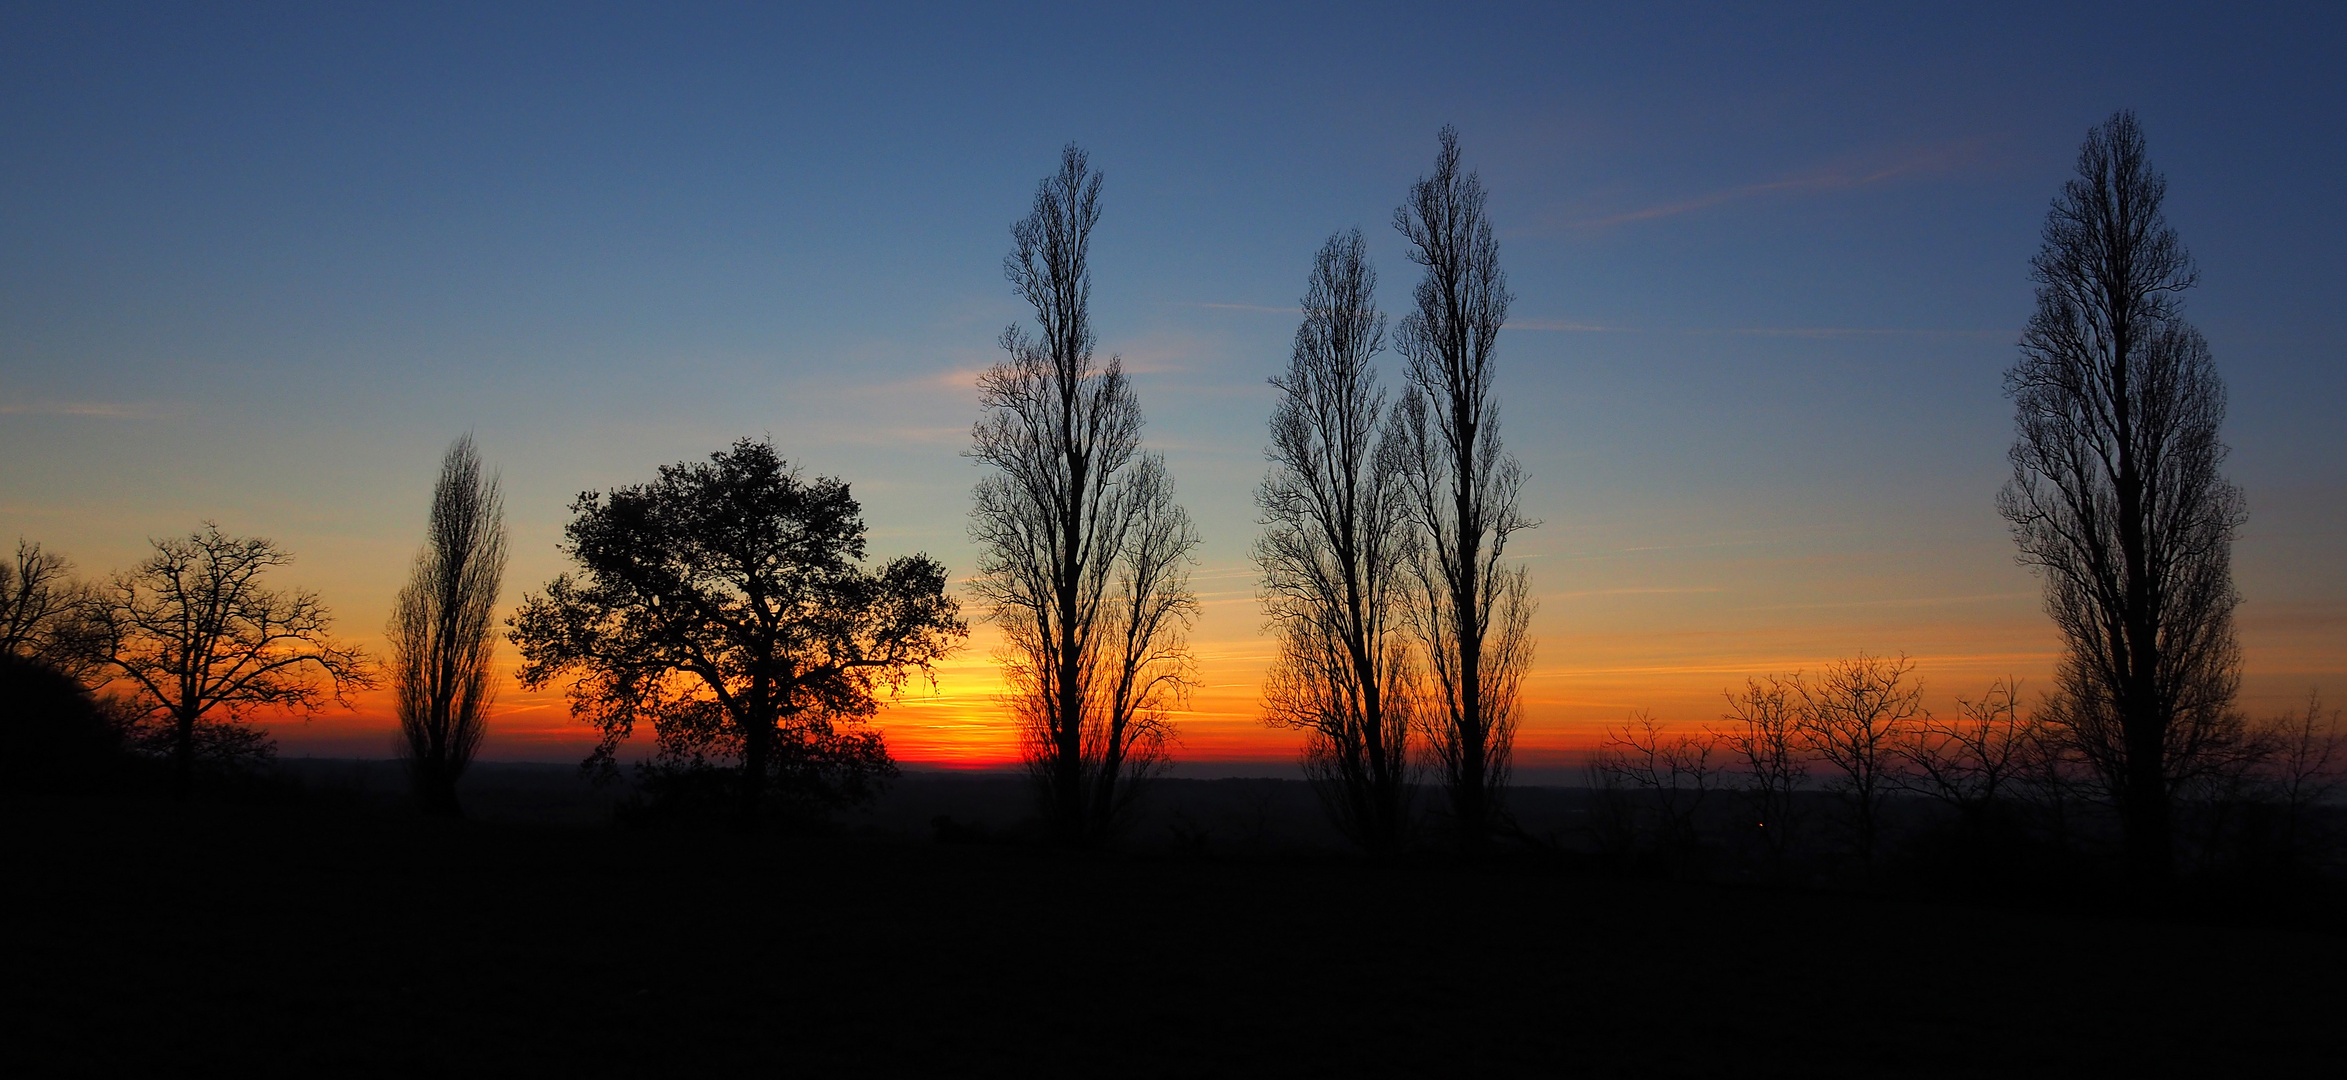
{"points": [[1474, 802], [2150, 845], [183, 756], [757, 745]]}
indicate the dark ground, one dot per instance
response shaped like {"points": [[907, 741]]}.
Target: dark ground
{"points": [[336, 934]]}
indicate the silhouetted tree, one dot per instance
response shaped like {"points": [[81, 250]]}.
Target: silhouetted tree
{"points": [[44, 611], [1854, 717], [2303, 763], [1472, 612], [53, 735], [1668, 776], [201, 645], [726, 604], [440, 632], [2116, 498], [1764, 731], [1082, 552], [1335, 554], [1974, 761]]}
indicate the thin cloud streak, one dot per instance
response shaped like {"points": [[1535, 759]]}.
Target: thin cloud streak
{"points": [[1922, 161], [1249, 307], [1848, 331], [1567, 326], [1570, 326], [109, 410]]}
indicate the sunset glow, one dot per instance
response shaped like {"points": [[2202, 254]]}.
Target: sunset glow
{"points": [[1751, 370]]}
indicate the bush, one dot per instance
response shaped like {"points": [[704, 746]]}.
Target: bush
{"points": [[57, 738]]}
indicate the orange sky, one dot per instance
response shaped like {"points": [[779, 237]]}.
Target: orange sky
{"points": [[1603, 653]]}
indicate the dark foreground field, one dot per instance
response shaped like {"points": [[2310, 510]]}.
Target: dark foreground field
{"points": [[328, 938]]}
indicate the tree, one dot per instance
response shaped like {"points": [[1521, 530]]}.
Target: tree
{"points": [[725, 603], [440, 632], [1764, 731], [1974, 762], [203, 645], [1854, 718], [42, 611], [53, 735], [1334, 554], [1671, 775], [1472, 612], [1082, 552], [2116, 498], [2304, 763]]}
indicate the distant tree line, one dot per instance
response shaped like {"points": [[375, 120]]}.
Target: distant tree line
{"points": [[1838, 773]]}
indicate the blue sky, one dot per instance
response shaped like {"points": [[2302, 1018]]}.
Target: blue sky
{"points": [[260, 263]]}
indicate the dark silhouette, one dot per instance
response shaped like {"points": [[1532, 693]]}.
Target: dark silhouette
{"points": [[2116, 498], [201, 645], [440, 632], [54, 737], [1976, 762], [2303, 756], [1764, 735], [1652, 785], [1334, 554], [1472, 612], [1854, 718], [726, 604], [44, 611], [1082, 552]]}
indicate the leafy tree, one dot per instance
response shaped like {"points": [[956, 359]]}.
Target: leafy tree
{"points": [[441, 626], [726, 604], [202, 645]]}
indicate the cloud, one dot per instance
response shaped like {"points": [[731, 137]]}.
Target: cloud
{"points": [[1567, 326], [1250, 307], [1848, 331], [111, 410], [1939, 157]]}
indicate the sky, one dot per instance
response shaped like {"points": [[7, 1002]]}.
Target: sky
{"points": [[259, 264]]}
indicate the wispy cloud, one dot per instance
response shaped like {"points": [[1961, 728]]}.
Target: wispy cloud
{"points": [[1628, 592], [1249, 307], [1848, 331], [111, 410], [1567, 326], [1570, 326], [1918, 161]]}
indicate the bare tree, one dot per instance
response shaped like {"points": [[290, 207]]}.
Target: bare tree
{"points": [[2116, 498], [203, 645], [1671, 775], [1083, 553], [1854, 717], [2304, 764], [1335, 553], [1977, 759], [1764, 732], [1472, 611], [441, 627], [42, 611]]}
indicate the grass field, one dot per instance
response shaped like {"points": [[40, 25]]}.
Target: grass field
{"points": [[325, 937]]}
